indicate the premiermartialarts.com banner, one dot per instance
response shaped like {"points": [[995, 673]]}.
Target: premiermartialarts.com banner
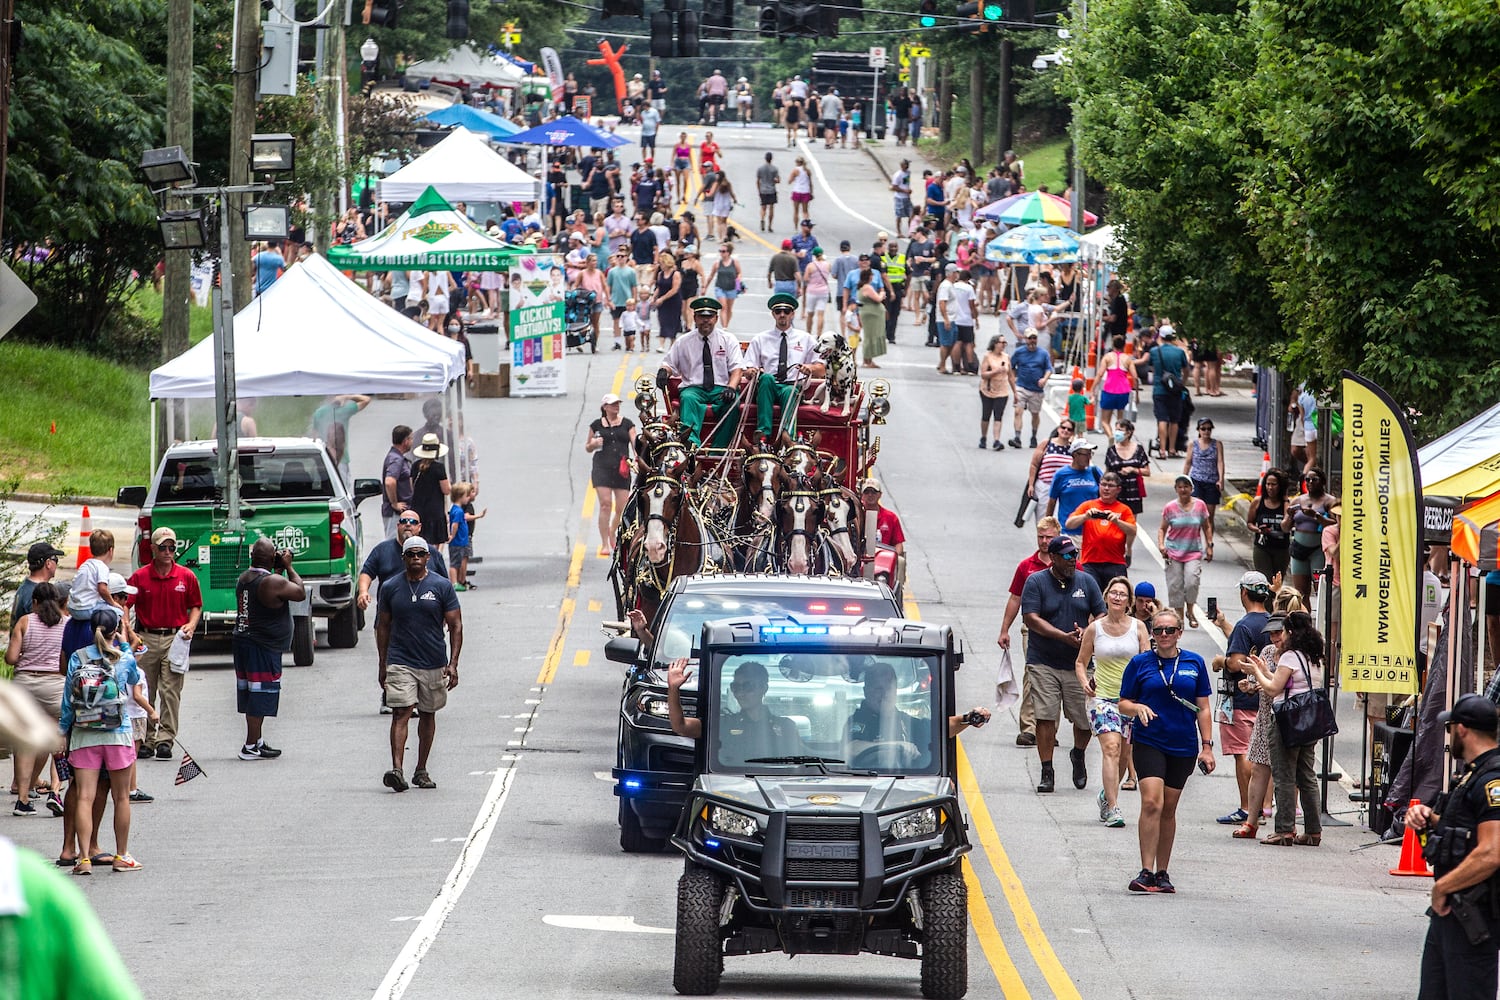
{"points": [[1380, 544]]}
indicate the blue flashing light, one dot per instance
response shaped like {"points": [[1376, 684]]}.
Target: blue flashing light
{"points": [[632, 784], [770, 630], [711, 844], [793, 630]]}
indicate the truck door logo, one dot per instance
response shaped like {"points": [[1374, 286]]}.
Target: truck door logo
{"points": [[294, 538]]}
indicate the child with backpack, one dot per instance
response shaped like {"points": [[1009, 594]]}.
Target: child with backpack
{"points": [[101, 678]]}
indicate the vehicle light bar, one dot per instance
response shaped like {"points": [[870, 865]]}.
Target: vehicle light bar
{"points": [[773, 631]]}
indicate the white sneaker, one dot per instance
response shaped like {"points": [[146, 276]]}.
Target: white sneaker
{"points": [[1104, 809], [1115, 819]]}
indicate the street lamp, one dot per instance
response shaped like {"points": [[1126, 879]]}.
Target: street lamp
{"points": [[369, 54]]}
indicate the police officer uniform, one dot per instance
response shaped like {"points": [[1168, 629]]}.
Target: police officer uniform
{"points": [[1454, 966], [776, 353], [895, 270]]}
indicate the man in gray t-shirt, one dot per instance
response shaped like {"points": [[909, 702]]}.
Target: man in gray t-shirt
{"points": [[766, 179]]}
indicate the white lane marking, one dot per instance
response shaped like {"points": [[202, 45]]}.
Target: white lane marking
{"points": [[604, 776], [828, 188], [521, 729], [625, 925], [394, 985]]}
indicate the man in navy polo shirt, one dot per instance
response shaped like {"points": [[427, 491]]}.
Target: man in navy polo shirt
{"points": [[1056, 604]]}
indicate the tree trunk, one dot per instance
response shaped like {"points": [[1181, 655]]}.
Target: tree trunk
{"points": [[976, 114], [945, 101], [177, 279], [1007, 111]]}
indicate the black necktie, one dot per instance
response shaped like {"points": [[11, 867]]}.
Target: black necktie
{"points": [[708, 366], [781, 359]]}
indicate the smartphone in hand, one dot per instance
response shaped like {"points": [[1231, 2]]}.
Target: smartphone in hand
{"points": [[1213, 609]]}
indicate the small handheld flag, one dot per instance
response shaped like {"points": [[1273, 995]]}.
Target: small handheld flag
{"points": [[188, 770]]}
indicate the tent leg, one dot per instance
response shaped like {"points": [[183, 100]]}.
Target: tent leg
{"points": [[152, 466], [1481, 630]]}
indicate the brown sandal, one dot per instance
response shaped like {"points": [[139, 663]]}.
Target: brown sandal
{"points": [[1245, 831], [1308, 839], [1279, 840]]}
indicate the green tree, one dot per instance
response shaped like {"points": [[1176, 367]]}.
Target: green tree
{"points": [[1158, 87], [421, 28]]}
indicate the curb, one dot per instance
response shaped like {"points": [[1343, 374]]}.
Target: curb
{"points": [[71, 501]]}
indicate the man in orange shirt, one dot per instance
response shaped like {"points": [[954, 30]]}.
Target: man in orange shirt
{"points": [[1108, 532]]}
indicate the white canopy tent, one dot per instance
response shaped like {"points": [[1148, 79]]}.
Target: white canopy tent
{"points": [[462, 167], [1099, 245], [463, 65], [315, 332]]}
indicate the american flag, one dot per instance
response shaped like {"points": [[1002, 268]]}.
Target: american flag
{"points": [[188, 770]]}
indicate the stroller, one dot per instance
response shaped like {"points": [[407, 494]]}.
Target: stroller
{"points": [[578, 320]]}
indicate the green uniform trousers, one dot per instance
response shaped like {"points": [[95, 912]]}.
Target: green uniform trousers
{"points": [[695, 401]]}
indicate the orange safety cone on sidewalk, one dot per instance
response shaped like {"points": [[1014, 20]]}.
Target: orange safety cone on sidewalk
{"points": [[1412, 862], [84, 530], [1265, 467]]}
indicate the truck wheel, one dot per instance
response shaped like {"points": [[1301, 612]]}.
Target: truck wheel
{"points": [[633, 839], [302, 641], [343, 629], [945, 936], [698, 960]]}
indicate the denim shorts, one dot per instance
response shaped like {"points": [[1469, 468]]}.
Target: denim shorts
{"points": [[947, 333]]}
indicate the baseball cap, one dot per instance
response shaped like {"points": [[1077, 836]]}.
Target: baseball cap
{"points": [[41, 552], [951, 269], [163, 535], [1275, 623], [870, 484], [1082, 444], [1472, 710], [609, 398], [118, 585], [786, 244], [808, 223], [1256, 584], [1169, 334], [105, 619], [882, 235], [415, 542], [1062, 545], [1145, 589]]}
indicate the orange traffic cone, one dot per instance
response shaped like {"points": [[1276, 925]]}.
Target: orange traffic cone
{"points": [[1265, 467], [1412, 862], [84, 530]]}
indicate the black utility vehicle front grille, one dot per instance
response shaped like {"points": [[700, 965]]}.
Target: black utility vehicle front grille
{"points": [[822, 870], [822, 898], [823, 832]]}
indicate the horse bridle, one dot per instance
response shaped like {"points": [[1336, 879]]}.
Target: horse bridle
{"points": [[800, 494], [836, 492], [651, 484]]}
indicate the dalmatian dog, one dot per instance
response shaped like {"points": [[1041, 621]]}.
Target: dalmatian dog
{"points": [[838, 384]]}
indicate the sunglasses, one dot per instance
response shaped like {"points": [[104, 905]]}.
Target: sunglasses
{"points": [[1166, 630], [167, 546], [415, 554], [1067, 556], [782, 311], [408, 520]]}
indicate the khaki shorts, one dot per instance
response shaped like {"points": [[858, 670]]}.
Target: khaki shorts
{"points": [[1029, 400], [46, 688], [408, 686], [1057, 693]]}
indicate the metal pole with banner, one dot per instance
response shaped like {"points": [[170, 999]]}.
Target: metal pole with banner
{"points": [[537, 286], [1380, 544]]}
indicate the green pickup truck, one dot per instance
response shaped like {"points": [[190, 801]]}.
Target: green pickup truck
{"points": [[290, 492]]}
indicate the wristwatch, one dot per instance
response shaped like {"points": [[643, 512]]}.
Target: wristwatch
{"points": [[1208, 744]]}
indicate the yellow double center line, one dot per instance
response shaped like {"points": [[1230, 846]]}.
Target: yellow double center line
{"points": [[569, 604], [985, 928]]}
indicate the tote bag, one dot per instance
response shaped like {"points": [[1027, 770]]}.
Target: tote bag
{"points": [[1305, 717]]}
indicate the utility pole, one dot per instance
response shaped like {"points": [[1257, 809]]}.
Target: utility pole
{"points": [[1078, 181], [7, 30], [976, 114], [945, 100], [1007, 112], [177, 279], [241, 126]]}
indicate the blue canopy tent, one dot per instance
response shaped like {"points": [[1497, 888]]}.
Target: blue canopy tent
{"points": [[474, 119], [564, 131]]}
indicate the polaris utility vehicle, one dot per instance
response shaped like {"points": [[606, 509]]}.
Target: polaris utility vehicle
{"points": [[825, 816], [653, 766]]}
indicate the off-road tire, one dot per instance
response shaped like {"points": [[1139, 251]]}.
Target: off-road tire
{"points": [[343, 629], [303, 640], [698, 958], [633, 839], [945, 936]]}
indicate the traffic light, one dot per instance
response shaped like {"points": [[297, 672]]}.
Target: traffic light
{"points": [[766, 23], [622, 8], [661, 35], [458, 19], [687, 33], [991, 10], [927, 13], [718, 18], [799, 19], [383, 14], [971, 11]]}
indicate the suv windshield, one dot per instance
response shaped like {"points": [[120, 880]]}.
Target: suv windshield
{"points": [[687, 614], [856, 712], [263, 476]]}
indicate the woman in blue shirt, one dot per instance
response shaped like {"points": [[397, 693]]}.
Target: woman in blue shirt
{"points": [[1166, 692]]}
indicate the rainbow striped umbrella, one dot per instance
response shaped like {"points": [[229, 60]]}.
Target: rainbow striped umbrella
{"points": [[1035, 206]]}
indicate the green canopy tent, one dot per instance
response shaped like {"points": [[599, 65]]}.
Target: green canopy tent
{"points": [[429, 236]]}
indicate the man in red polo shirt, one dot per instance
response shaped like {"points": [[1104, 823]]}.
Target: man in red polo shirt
{"points": [[1108, 532], [1047, 529], [167, 603], [887, 524]]}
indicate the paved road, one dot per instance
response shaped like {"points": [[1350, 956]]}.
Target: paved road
{"points": [[305, 878]]}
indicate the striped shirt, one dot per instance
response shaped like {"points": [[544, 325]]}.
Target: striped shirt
{"points": [[1184, 529], [41, 646]]}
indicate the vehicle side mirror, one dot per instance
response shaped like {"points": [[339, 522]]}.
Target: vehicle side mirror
{"points": [[622, 649], [364, 489], [958, 653], [131, 496]]}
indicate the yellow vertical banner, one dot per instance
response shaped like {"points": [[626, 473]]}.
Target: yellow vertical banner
{"points": [[1379, 544]]}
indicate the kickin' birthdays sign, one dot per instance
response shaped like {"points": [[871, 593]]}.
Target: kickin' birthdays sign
{"points": [[537, 287]]}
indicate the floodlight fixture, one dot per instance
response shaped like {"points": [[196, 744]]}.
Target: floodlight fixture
{"points": [[272, 153], [267, 223], [183, 229], [166, 167]]}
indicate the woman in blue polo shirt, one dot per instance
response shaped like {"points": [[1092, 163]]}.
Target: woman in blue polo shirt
{"points": [[1166, 691]]}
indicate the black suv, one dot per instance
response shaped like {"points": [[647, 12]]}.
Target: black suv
{"points": [[825, 817], [653, 766]]}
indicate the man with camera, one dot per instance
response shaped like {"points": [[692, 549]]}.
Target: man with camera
{"points": [[262, 632], [1463, 847], [1238, 708], [1108, 528]]}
